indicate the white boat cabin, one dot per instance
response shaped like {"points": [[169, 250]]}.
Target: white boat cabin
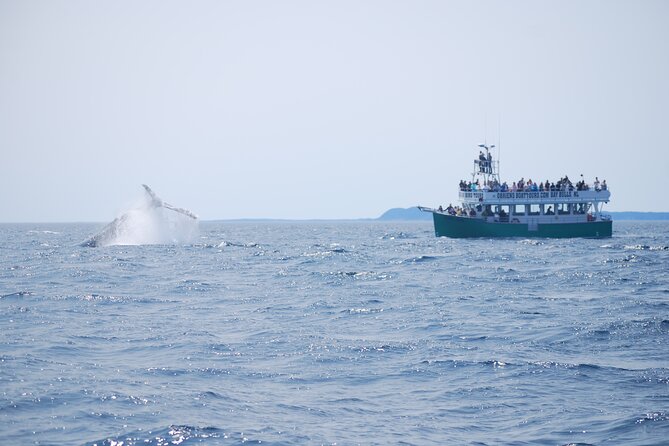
{"points": [[541, 206]]}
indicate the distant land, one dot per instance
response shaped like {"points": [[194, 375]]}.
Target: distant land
{"points": [[413, 213], [405, 214], [639, 215]]}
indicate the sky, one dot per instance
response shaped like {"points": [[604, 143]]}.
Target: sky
{"points": [[323, 109]]}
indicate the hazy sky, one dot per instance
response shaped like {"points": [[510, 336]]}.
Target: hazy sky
{"points": [[323, 109]]}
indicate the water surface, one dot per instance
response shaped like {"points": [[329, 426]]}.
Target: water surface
{"points": [[334, 332]]}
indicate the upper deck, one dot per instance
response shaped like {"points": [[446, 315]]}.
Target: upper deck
{"points": [[535, 197]]}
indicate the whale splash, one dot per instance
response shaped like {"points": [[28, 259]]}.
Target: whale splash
{"points": [[151, 222]]}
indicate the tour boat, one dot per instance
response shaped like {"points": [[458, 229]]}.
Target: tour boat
{"points": [[525, 209]]}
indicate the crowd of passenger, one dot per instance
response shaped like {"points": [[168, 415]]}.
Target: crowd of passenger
{"points": [[457, 210], [563, 184], [462, 212]]}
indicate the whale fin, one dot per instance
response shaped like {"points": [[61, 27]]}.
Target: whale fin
{"points": [[183, 211], [157, 202]]}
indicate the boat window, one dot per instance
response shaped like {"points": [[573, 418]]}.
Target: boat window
{"points": [[518, 209], [563, 208], [502, 212], [533, 209], [581, 208]]}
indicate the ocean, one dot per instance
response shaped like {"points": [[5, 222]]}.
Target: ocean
{"points": [[361, 332]]}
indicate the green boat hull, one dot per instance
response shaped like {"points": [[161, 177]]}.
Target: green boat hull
{"points": [[463, 227]]}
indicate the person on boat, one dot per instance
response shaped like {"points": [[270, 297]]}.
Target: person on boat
{"points": [[549, 211], [597, 184], [570, 185], [440, 209], [489, 163], [604, 186]]}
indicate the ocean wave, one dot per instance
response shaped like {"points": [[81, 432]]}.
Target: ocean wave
{"points": [[396, 236], [363, 310], [17, 294], [632, 258], [653, 417], [104, 299], [174, 435], [654, 329], [646, 248], [322, 251], [532, 242], [421, 259], [356, 275], [461, 363], [225, 244], [187, 285], [191, 371]]}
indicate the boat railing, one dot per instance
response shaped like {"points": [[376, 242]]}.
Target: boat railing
{"points": [[535, 188], [466, 189]]}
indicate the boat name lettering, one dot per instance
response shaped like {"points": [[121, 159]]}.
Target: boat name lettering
{"points": [[547, 194]]}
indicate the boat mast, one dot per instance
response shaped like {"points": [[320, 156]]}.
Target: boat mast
{"points": [[499, 143]]}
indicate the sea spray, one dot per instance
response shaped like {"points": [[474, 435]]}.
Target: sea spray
{"points": [[150, 222], [149, 225]]}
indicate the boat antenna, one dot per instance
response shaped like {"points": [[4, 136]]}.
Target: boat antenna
{"points": [[499, 143]]}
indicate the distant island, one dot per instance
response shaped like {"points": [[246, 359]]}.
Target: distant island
{"points": [[413, 213], [640, 215], [405, 214]]}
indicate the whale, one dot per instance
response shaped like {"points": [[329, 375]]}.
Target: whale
{"points": [[126, 222]]}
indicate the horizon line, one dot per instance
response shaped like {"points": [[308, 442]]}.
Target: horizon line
{"points": [[272, 219]]}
